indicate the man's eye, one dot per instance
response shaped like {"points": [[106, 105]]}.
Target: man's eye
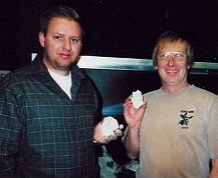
{"points": [[75, 40], [179, 55], [164, 55], [58, 37]]}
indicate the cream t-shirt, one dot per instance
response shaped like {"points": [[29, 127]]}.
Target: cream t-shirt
{"points": [[178, 134]]}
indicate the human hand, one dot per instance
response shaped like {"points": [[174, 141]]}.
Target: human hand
{"points": [[107, 130], [214, 169], [114, 135], [133, 116]]}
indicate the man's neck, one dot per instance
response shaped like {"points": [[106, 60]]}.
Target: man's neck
{"points": [[174, 88]]}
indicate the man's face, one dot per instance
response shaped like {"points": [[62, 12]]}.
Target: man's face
{"points": [[172, 64], [62, 44]]}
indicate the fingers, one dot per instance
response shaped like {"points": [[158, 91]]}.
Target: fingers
{"points": [[121, 126], [116, 133]]}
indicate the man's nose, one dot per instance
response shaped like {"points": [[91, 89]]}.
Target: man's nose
{"points": [[171, 59], [67, 45]]}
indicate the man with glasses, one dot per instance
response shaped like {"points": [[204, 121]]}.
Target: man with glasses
{"points": [[174, 133]]}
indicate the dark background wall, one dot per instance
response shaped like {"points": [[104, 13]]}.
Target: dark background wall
{"points": [[114, 28]]}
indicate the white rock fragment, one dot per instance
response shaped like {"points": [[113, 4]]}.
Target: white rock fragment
{"points": [[109, 125], [137, 99]]}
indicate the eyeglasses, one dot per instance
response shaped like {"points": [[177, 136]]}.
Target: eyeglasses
{"points": [[178, 55]]}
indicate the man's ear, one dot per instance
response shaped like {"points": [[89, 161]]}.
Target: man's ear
{"points": [[42, 39]]}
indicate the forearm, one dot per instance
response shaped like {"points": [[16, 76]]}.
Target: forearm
{"points": [[214, 169], [132, 143]]}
